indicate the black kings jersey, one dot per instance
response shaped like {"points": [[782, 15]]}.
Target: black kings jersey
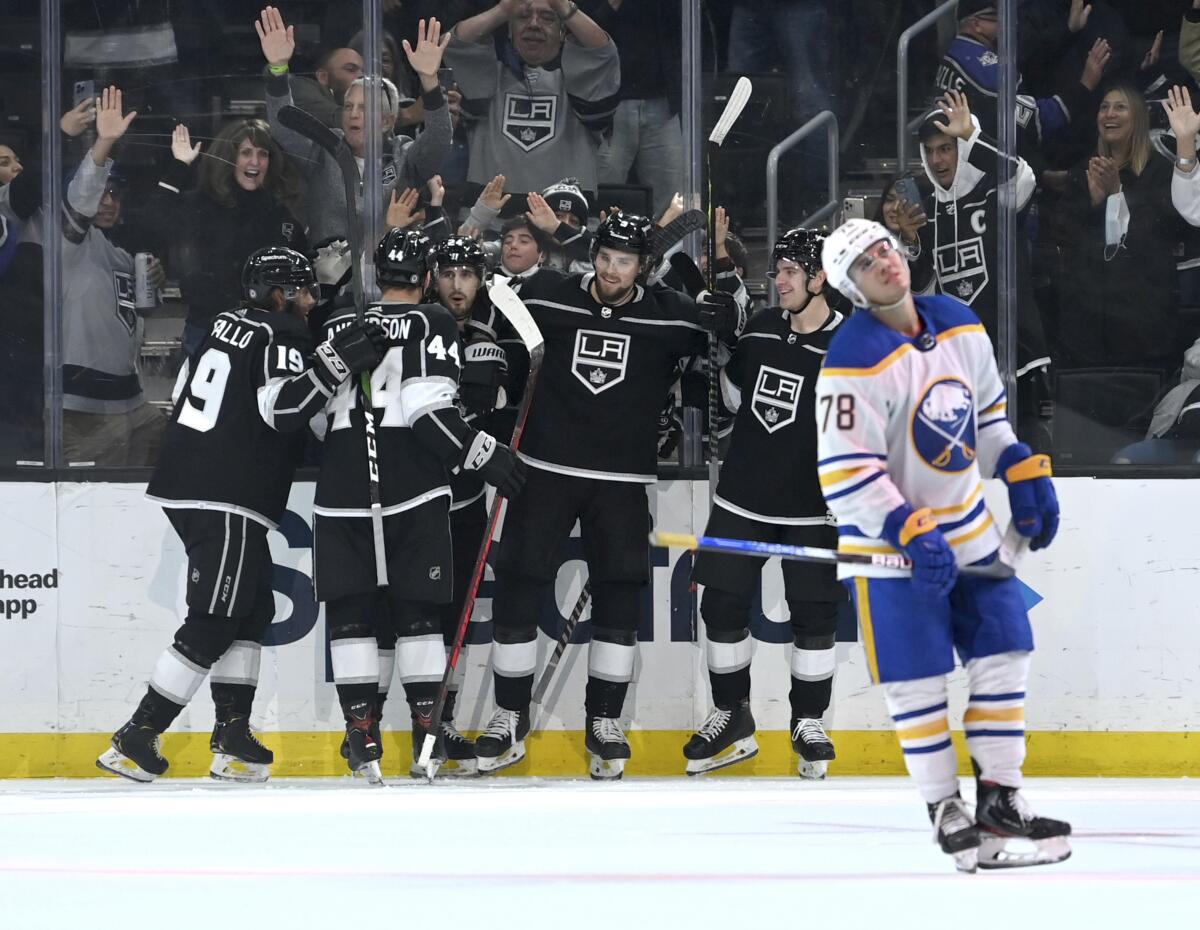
{"points": [[604, 375], [419, 374], [770, 472], [235, 437]]}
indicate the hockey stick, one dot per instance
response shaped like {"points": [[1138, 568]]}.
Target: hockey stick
{"points": [[689, 275], [307, 125], [552, 663], [997, 569], [733, 109], [509, 304], [663, 238]]}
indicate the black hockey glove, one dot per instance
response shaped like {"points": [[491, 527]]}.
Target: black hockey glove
{"points": [[496, 463], [719, 314], [358, 347], [484, 372]]}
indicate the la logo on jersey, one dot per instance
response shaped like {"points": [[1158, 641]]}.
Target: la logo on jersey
{"points": [[776, 398], [125, 309], [961, 266], [600, 359], [529, 121], [943, 426]]}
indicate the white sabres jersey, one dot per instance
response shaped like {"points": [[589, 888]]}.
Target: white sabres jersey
{"points": [[919, 420]]}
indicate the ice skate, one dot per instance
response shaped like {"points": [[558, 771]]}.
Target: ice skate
{"points": [[1011, 835], [454, 754], [363, 749], [813, 745], [725, 738], [607, 747], [237, 753], [502, 742], [955, 832], [134, 754]]}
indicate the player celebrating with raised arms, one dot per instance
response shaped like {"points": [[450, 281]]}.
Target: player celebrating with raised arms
{"points": [[769, 492], [911, 416], [227, 462]]}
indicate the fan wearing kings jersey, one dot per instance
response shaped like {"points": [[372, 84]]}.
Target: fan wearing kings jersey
{"points": [[911, 417], [769, 492], [420, 438], [223, 478], [611, 345]]}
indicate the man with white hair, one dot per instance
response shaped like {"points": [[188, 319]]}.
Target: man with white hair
{"points": [[406, 163], [911, 417]]}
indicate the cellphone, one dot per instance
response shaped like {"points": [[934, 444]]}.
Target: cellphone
{"points": [[446, 78], [906, 189], [84, 90]]}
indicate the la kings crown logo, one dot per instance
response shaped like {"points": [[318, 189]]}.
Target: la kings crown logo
{"points": [[600, 359], [529, 121], [776, 397]]}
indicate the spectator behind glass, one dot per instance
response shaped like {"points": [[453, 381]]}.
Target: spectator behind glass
{"points": [[106, 419], [522, 249], [247, 199], [324, 94], [10, 164], [1121, 308], [406, 163], [646, 144], [538, 100]]}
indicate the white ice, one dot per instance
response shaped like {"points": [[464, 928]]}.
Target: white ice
{"points": [[539, 853]]}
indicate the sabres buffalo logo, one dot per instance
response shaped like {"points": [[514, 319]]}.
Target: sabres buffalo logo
{"points": [[943, 425]]}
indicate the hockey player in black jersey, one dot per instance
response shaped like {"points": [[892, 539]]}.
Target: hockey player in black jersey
{"points": [[611, 345], [421, 438], [769, 491], [223, 478]]}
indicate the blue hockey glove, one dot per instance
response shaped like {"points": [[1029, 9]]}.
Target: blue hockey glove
{"points": [[1030, 493], [916, 534]]}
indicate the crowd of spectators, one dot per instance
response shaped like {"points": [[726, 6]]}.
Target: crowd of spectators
{"points": [[519, 122]]}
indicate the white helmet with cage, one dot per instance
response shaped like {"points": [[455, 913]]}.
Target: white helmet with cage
{"points": [[842, 249]]}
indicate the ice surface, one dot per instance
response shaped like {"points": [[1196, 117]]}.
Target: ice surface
{"points": [[542, 853]]}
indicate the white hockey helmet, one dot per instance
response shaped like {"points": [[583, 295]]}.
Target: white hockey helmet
{"points": [[842, 249]]}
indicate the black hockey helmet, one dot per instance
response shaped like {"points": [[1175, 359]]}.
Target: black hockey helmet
{"points": [[402, 258], [276, 267], [460, 252], [799, 245], [625, 232]]}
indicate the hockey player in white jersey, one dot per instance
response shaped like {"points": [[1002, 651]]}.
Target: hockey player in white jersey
{"points": [[911, 417]]}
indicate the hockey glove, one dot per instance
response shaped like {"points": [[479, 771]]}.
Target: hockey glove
{"points": [[496, 463], [358, 347], [1030, 493], [719, 314], [484, 371], [916, 534]]}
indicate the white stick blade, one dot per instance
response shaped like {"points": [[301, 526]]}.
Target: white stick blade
{"points": [[733, 109], [505, 299]]}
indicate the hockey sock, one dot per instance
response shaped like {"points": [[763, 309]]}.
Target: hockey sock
{"points": [[729, 654], [177, 677], [355, 663], [918, 710], [812, 663], [514, 656], [995, 717], [610, 669], [156, 712], [387, 669], [234, 678]]}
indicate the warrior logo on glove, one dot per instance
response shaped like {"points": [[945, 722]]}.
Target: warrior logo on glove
{"points": [[943, 425]]}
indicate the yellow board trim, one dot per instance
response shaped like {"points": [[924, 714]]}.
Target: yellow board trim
{"points": [[922, 730], [655, 752], [863, 603]]}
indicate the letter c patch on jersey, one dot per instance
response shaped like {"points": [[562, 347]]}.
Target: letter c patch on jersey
{"points": [[776, 397], [600, 359], [943, 426]]}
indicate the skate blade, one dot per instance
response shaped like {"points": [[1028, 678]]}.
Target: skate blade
{"points": [[606, 769], [739, 751], [231, 768], [486, 766], [814, 770], [451, 768], [994, 851], [967, 860], [370, 771], [119, 764]]}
